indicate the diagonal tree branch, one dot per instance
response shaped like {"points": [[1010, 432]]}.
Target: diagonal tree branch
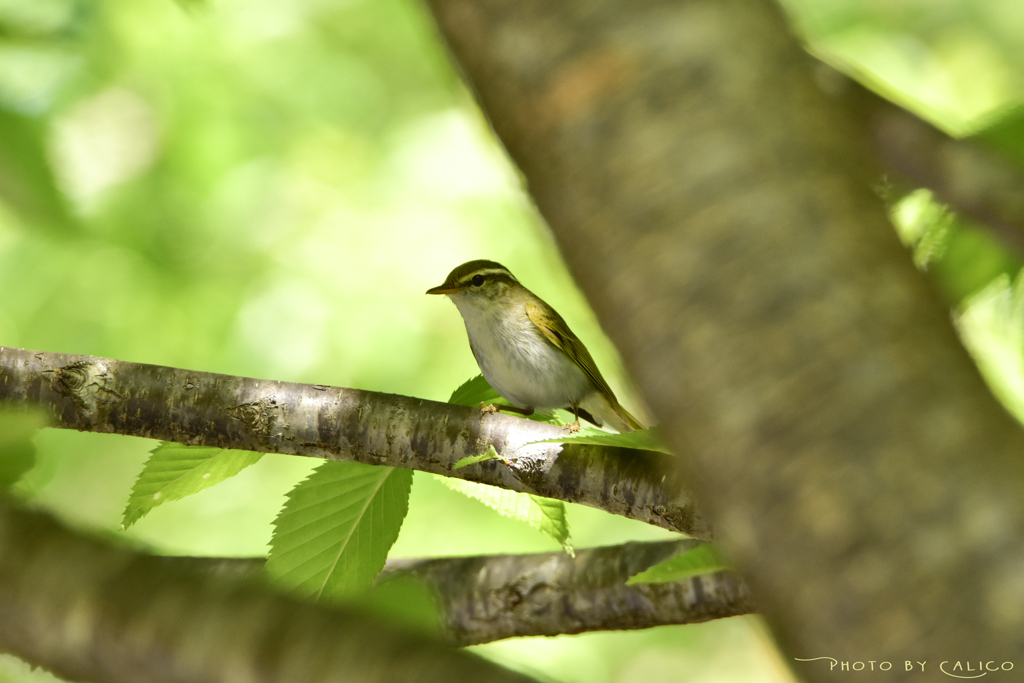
{"points": [[971, 178], [490, 597], [201, 408], [89, 611]]}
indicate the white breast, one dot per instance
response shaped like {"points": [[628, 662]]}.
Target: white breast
{"points": [[519, 362]]}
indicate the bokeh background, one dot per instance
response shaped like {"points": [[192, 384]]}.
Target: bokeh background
{"points": [[267, 187]]}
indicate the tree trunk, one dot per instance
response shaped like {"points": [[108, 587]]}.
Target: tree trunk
{"points": [[715, 205]]}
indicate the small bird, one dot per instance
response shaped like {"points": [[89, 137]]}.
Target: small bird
{"points": [[525, 351]]}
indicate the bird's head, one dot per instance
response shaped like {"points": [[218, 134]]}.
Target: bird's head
{"points": [[478, 283]]}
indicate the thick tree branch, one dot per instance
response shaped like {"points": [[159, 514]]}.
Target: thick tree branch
{"points": [[965, 174], [201, 408], [500, 596], [88, 611], [716, 208], [490, 597]]}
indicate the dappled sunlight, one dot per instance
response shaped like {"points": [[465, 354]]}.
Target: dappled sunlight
{"points": [[105, 140]]}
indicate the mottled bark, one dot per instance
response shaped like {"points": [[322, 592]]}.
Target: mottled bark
{"points": [[715, 206], [202, 408], [88, 611], [487, 598], [490, 597]]}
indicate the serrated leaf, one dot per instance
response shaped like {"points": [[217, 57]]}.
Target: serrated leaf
{"points": [[334, 532], [549, 418], [703, 559], [17, 452], [175, 471], [489, 454], [924, 225], [473, 392], [545, 515], [640, 439]]}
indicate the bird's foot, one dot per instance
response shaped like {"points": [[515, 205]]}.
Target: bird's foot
{"points": [[573, 427], [488, 407]]}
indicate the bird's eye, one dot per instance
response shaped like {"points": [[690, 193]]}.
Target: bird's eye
{"points": [[478, 280]]}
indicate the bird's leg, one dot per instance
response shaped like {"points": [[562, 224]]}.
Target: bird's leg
{"points": [[525, 412], [493, 408], [575, 426]]}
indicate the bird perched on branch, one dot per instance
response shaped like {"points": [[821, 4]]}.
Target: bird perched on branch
{"points": [[526, 351]]}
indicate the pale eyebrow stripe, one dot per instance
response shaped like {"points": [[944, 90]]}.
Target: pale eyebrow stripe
{"points": [[489, 271]]}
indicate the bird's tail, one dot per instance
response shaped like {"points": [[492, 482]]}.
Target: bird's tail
{"points": [[631, 422], [599, 410]]}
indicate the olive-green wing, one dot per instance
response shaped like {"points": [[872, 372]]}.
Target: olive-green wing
{"points": [[555, 330], [558, 333]]}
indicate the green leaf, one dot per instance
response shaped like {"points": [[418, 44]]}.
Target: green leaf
{"points": [[489, 454], [334, 533], [543, 514], [549, 418], [175, 471], [405, 600], [1005, 134], [473, 392], [991, 326], [924, 225], [640, 439], [17, 452], [703, 559]]}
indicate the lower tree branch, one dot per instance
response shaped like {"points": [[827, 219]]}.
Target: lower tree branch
{"points": [[89, 611], [490, 597], [95, 394]]}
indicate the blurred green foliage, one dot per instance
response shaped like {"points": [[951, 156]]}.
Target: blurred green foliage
{"points": [[175, 471], [703, 559], [956, 63], [267, 187], [17, 452]]}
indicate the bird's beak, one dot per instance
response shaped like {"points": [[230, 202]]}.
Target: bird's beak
{"points": [[441, 289]]}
